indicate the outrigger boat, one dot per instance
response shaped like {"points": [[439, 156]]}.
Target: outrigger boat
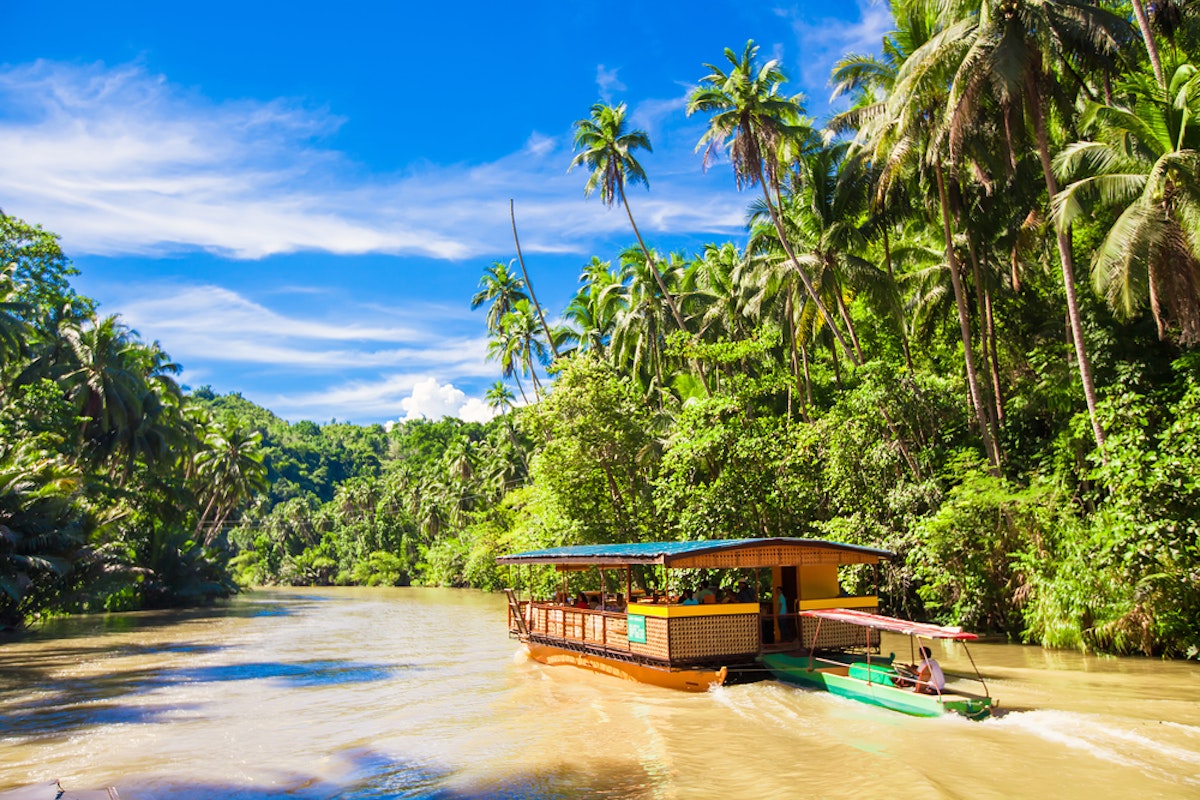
{"points": [[660, 640], [879, 681]]}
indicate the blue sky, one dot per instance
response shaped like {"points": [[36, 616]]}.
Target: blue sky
{"points": [[297, 199]]}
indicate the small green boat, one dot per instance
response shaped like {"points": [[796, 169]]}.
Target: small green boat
{"points": [[878, 680]]}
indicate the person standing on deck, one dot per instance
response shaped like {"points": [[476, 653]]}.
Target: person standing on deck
{"points": [[787, 625]]}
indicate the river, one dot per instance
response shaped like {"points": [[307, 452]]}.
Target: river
{"points": [[419, 693]]}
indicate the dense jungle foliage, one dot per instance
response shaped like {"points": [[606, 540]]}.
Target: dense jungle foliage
{"points": [[962, 326]]}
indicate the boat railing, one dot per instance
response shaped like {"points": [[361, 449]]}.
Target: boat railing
{"points": [[594, 627]]}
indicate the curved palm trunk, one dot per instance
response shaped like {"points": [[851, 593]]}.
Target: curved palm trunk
{"points": [[512, 215], [844, 313], [985, 333], [964, 324], [662, 284], [808, 287], [1139, 11], [887, 258], [1068, 271], [520, 388]]}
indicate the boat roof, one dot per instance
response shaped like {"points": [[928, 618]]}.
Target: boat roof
{"points": [[893, 624], [711, 553]]}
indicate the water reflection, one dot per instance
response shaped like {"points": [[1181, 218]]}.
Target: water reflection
{"points": [[420, 694]]}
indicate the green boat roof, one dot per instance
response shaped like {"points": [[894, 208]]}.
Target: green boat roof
{"points": [[666, 552]]}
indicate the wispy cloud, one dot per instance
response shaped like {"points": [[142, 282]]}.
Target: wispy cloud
{"points": [[822, 41], [212, 324], [608, 82], [122, 162]]}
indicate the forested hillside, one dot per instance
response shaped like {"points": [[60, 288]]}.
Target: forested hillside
{"points": [[962, 326]]}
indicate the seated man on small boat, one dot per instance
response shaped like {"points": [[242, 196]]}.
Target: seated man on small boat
{"points": [[925, 677]]}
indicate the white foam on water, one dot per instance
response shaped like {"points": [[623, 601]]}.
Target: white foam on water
{"points": [[1105, 739]]}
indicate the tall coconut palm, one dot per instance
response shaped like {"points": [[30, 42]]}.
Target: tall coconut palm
{"points": [[103, 380], [1011, 51], [502, 289], [593, 310], [910, 137], [523, 332], [1144, 163], [606, 146], [499, 397], [230, 471], [752, 121]]}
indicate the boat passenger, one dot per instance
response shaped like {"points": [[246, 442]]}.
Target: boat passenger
{"points": [[744, 593], [930, 679], [705, 593], [581, 600], [617, 606], [689, 598], [787, 625]]}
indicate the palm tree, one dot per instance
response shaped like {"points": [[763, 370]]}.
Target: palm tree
{"points": [[499, 397], [909, 137], [753, 122], [103, 380], [594, 309], [1144, 164], [230, 471], [521, 332], [502, 288], [1010, 50], [13, 330], [606, 148]]}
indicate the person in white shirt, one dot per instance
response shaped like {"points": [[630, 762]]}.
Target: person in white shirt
{"points": [[930, 679]]}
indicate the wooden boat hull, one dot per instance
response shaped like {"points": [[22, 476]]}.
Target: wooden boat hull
{"points": [[688, 680], [838, 681]]}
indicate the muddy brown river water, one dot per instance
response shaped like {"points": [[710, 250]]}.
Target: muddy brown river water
{"points": [[419, 693]]}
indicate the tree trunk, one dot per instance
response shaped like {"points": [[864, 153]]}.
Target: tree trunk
{"points": [[990, 327], [985, 330], [887, 259], [512, 215], [662, 285], [989, 442], [808, 287], [787, 310], [1139, 11], [1068, 271], [844, 313]]}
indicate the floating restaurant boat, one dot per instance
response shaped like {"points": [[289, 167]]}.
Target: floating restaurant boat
{"points": [[658, 639], [880, 681]]}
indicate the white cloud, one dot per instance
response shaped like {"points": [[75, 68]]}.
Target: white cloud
{"points": [[608, 82], [823, 41], [475, 410], [433, 400], [122, 162]]}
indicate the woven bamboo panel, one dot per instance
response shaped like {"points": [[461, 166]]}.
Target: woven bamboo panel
{"points": [[704, 637], [772, 556], [835, 635], [617, 632], [656, 645], [573, 624]]}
